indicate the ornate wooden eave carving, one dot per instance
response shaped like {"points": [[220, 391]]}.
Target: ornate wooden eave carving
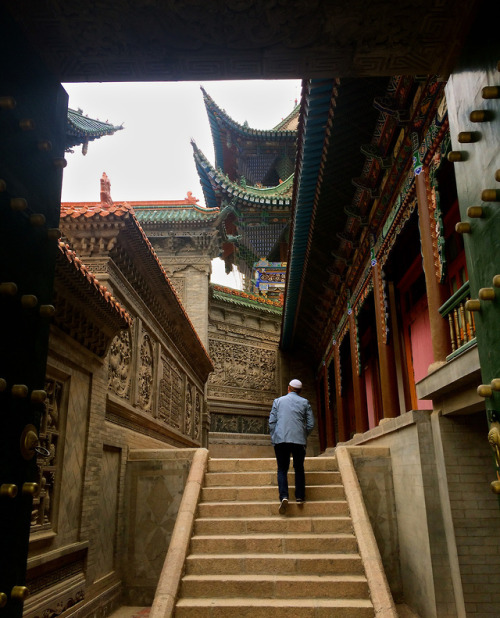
{"points": [[84, 309]]}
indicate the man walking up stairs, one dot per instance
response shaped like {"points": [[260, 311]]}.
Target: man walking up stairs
{"points": [[247, 560]]}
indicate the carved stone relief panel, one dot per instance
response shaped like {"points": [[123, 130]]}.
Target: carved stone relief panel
{"points": [[50, 439], [145, 372], [246, 332], [188, 413], [234, 423], [170, 395], [197, 416], [120, 359], [179, 284], [238, 366]]}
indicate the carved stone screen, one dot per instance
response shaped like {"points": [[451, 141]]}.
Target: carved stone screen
{"points": [[243, 372]]}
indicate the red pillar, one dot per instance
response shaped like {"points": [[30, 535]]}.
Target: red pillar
{"points": [[437, 293], [330, 431], [387, 362], [342, 429], [358, 382], [321, 425]]}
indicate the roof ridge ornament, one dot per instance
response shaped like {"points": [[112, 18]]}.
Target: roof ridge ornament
{"points": [[106, 190]]}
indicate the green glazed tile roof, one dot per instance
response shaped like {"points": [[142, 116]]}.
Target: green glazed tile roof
{"points": [[243, 299], [80, 128], [161, 213], [214, 181], [218, 117], [316, 99]]}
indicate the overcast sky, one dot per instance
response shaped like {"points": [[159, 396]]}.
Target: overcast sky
{"points": [[152, 157]]}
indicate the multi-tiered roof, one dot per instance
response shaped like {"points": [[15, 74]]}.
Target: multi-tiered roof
{"points": [[251, 183]]}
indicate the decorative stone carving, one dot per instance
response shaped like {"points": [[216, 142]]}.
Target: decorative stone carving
{"points": [[240, 330], [170, 396], [120, 356], [197, 417], [179, 284], [145, 373], [243, 366], [234, 423], [43, 504], [241, 394], [188, 416]]}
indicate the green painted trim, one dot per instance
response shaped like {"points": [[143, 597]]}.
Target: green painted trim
{"points": [[461, 349], [455, 300]]}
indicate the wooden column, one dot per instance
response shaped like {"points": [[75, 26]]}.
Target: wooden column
{"points": [[342, 437], [437, 293], [387, 362], [320, 408], [329, 428], [358, 382]]}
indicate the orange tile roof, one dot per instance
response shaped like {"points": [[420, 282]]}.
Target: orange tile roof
{"points": [[125, 211], [93, 281]]}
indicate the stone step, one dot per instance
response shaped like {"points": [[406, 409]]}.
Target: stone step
{"points": [[285, 525], [277, 608], [268, 509], [247, 494], [275, 586], [259, 479], [274, 543], [284, 564], [268, 465]]}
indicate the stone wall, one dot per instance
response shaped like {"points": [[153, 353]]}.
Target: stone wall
{"points": [[446, 561], [155, 484], [146, 393], [474, 510], [423, 554], [243, 346]]}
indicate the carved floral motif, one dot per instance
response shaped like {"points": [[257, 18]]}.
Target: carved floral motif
{"points": [[170, 395], [197, 417], [145, 377], [120, 356], [188, 415]]}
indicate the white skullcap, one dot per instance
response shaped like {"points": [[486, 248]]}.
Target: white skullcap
{"points": [[295, 384]]}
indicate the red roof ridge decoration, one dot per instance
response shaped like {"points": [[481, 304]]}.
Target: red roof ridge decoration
{"points": [[72, 258]]}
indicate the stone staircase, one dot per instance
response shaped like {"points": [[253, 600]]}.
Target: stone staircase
{"points": [[247, 560]]}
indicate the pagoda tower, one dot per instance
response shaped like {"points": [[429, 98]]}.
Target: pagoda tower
{"points": [[251, 183]]}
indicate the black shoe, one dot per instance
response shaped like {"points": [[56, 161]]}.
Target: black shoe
{"points": [[300, 501], [283, 506]]}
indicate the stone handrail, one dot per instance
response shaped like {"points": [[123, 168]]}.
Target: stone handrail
{"points": [[380, 593], [171, 574]]}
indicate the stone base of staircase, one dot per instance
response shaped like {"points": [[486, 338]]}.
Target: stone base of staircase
{"points": [[247, 560]]}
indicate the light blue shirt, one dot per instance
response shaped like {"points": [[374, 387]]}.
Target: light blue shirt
{"points": [[291, 419]]}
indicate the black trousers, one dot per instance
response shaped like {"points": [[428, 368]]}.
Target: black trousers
{"points": [[298, 452]]}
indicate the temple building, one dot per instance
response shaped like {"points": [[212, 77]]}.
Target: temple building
{"points": [[251, 183], [120, 363]]}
